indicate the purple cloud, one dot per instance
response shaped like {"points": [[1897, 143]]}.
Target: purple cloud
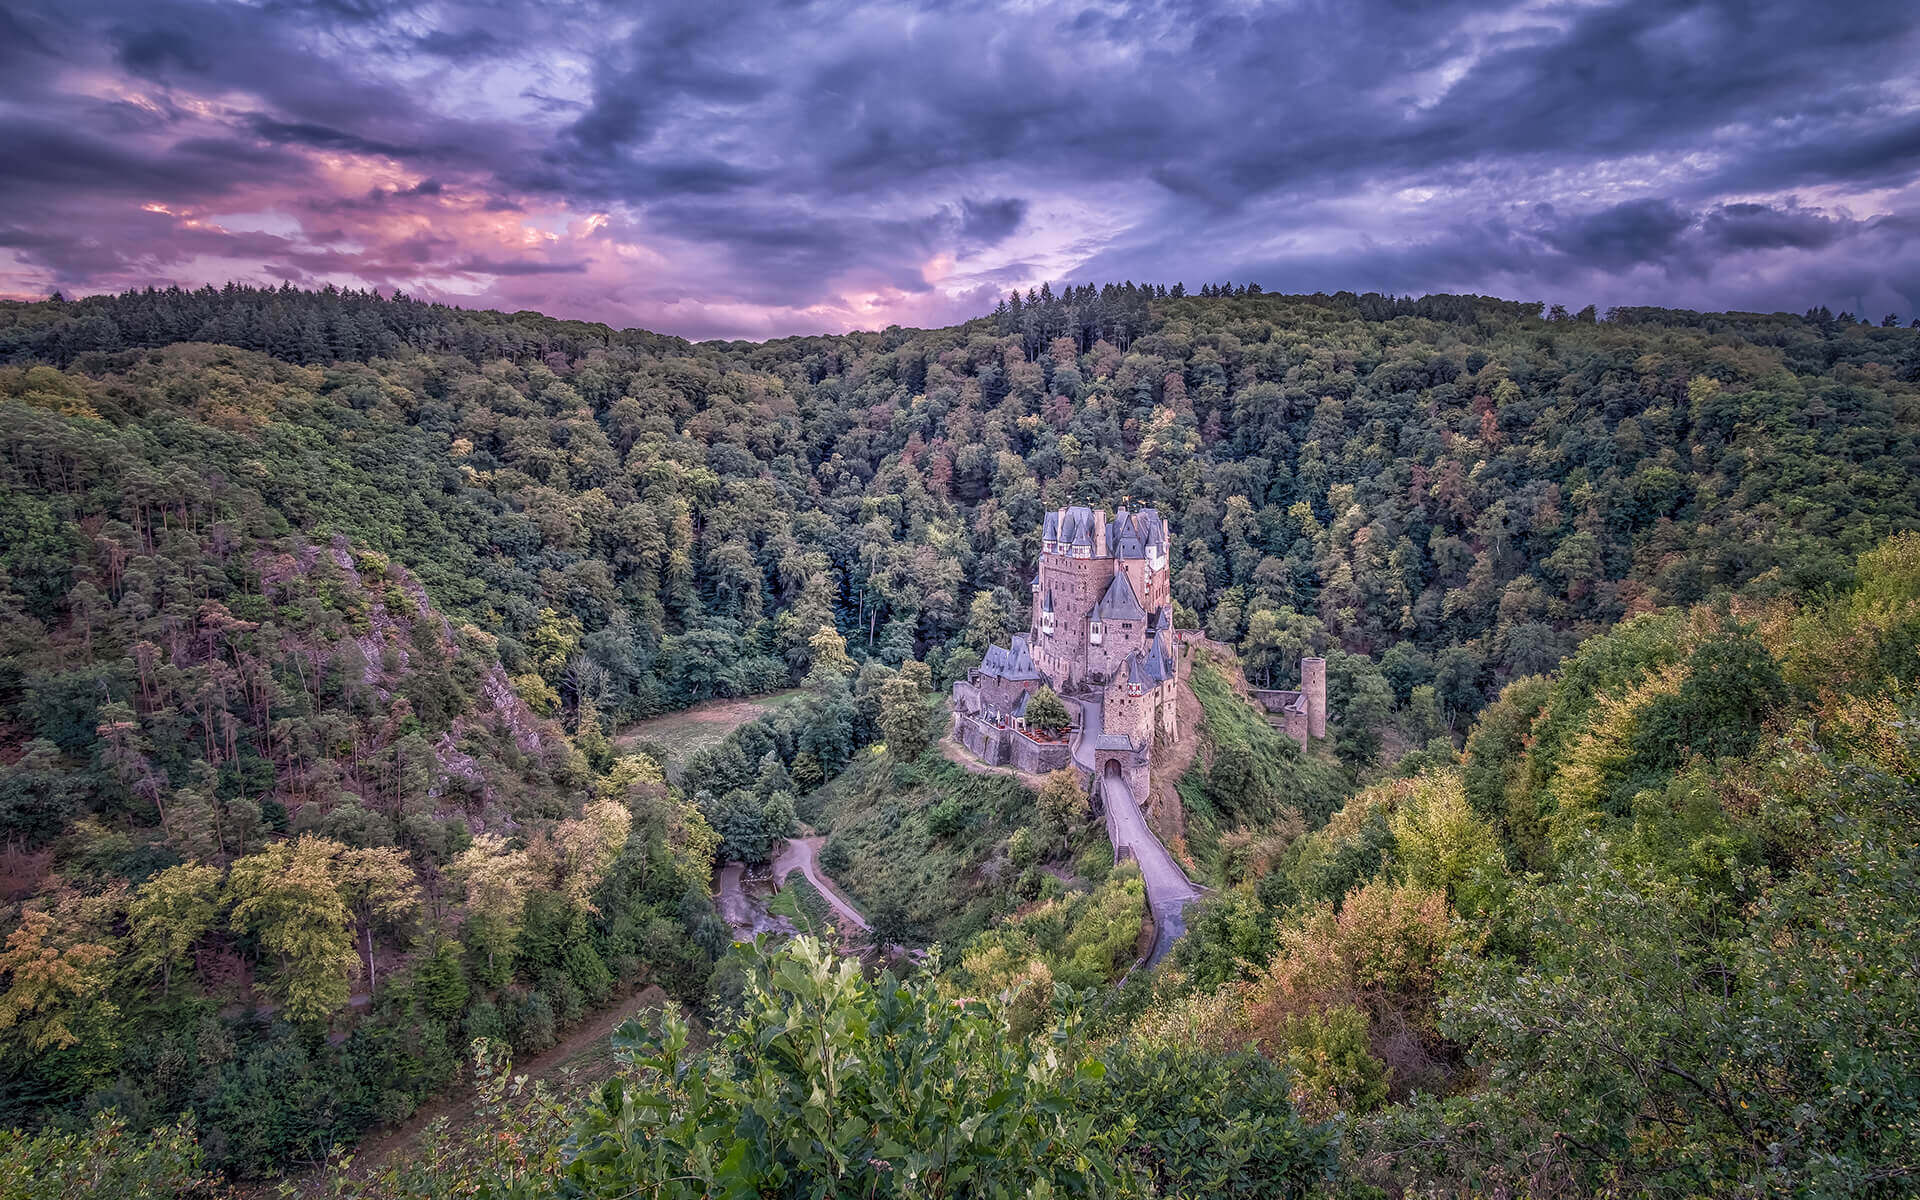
{"points": [[732, 169]]}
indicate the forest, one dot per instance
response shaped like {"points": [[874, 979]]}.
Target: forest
{"points": [[322, 611]]}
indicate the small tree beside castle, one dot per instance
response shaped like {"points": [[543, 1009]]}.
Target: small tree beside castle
{"points": [[1046, 712]]}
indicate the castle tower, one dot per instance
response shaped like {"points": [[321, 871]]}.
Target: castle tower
{"points": [[1313, 688], [1102, 590]]}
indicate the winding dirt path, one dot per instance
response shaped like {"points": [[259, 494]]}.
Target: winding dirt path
{"points": [[803, 855]]}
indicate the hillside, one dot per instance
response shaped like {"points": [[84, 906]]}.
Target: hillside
{"points": [[1249, 784], [258, 787], [319, 610], [1591, 957], [1649, 933]]}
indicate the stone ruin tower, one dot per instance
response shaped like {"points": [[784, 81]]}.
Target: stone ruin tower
{"points": [[1299, 714]]}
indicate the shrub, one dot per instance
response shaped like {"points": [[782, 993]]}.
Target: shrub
{"points": [[1333, 1067], [835, 858], [861, 1082], [1220, 1125], [104, 1162], [1094, 863], [946, 817], [530, 1024]]}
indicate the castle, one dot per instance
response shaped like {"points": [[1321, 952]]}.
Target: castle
{"points": [[1101, 634]]}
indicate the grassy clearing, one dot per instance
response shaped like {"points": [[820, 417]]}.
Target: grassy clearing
{"points": [[679, 735]]}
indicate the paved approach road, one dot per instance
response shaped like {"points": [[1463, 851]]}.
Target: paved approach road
{"points": [[1168, 888]]}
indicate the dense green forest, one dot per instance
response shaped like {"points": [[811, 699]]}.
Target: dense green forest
{"points": [[320, 610]]}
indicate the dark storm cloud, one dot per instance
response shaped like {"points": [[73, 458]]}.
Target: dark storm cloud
{"points": [[307, 133], [36, 154], [497, 266], [1762, 227], [1625, 235], [783, 166], [151, 52], [462, 45], [990, 222]]}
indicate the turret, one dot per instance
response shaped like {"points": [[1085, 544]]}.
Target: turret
{"points": [[1313, 688]]}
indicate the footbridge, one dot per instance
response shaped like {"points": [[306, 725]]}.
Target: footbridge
{"points": [[1168, 888]]}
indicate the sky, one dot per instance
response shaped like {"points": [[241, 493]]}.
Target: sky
{"points": [[720, 169]]}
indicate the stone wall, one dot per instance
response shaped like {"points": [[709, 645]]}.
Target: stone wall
{"points": [[1292, 712], [1039, 757], [983, 741], [1294, 725], [1109, 658], [1123, 715], [1169, 693], [1076, 584], [1132, 770], [1009, 747]]}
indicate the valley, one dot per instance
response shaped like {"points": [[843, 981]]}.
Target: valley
{"points": [[1330, 722]]}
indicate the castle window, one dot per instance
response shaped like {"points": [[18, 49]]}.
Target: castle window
{"points": [[1095, 630]]}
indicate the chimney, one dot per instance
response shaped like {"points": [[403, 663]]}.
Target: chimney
{"points": [[1313, 685], [1100, 533]]}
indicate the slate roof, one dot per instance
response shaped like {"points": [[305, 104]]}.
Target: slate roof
{"points": [[1158, 659], [1015, 662], [1073, 526], [1125, 536], [1148, 670], [1113, 741], [1151, 527], [1128, 535], [1119, 604]]}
